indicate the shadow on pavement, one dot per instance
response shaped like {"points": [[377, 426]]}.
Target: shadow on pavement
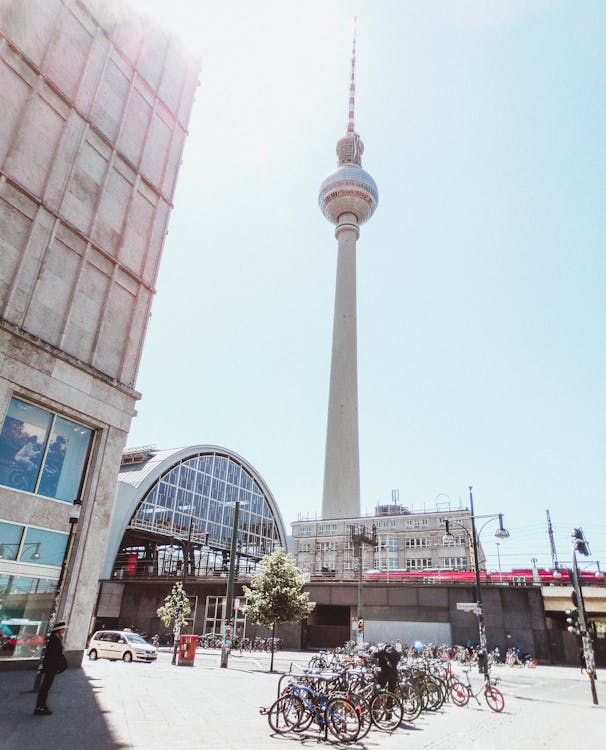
{"points": [[76, 722]]}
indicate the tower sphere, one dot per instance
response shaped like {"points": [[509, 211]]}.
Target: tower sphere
{"points": [[348, 190]]}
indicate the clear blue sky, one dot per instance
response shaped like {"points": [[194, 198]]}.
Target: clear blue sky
{"points": [[481, 305]]}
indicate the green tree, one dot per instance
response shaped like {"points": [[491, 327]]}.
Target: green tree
{"points": [[173, 613], [176, 607], [275, 594]]}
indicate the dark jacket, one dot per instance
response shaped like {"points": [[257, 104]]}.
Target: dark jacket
{"points": [[54, 660], [387, 658]]}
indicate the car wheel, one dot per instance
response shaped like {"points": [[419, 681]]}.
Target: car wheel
{"points": [[127, 656], [92, 654]]}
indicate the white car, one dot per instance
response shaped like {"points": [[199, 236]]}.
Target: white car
{"points": [[120, 644]]}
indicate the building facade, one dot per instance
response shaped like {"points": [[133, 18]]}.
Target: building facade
{"points": [[175, 519], [404, 541], [94, 104]]}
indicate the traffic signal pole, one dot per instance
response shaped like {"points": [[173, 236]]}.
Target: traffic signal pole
{"points": [[359, 538], [229, 598], [580, 544]]}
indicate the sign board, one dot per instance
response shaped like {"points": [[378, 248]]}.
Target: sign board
{"points": [[473, 607], [227, 634], [236, 604]]}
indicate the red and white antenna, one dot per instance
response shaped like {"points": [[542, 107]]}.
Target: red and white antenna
{"points": [[352, 84]]}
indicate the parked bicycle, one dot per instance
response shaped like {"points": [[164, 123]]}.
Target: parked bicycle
{"points": [[303, 704], [462, 692]]}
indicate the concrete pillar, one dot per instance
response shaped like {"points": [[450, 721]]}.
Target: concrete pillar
{"points": [[341, 496]]}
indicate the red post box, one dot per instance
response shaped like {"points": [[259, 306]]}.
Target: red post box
{"points": [[187, 650]]}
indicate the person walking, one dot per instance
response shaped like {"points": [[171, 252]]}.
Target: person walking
{"points": [[54, 663]]}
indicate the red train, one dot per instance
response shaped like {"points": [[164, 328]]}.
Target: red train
{"points": [[511, 577]]}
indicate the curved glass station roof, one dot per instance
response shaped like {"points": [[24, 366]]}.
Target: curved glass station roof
{"points": [[183, 505]]}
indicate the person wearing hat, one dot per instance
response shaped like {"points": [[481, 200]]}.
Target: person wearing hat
{"points": [[54, 663]]}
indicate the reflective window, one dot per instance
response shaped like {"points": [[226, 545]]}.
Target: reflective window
{"points": [[10, 540], [43, 547], [196, 500], [24, 606], [42, 452], [31, 545]]}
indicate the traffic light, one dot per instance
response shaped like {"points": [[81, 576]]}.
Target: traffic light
{"points": [[580, 542], [572, 618]]}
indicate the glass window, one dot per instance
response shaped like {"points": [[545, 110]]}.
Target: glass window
{"points": [[221, 467], [42, 452], [246, 481], [210, 513], [231, 493], [65, 460], [24, 606], [22, 441], [43, 547], [10, 540]]}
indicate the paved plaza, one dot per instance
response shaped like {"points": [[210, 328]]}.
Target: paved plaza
{"points": [[110, 705]]}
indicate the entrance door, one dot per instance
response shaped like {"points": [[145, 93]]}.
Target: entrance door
{"points": [[328, 626]]}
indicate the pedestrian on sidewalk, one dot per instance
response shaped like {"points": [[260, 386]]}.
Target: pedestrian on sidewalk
{"points": [[54, 663]]}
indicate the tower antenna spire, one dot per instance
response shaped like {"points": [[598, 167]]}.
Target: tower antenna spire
{"points": [[352, 83]]}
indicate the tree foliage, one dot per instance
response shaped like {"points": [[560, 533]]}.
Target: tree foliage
{"points": [[176, 607], [275, 594]]}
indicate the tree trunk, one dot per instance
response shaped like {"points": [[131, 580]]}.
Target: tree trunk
{"points": [[273, 633]]}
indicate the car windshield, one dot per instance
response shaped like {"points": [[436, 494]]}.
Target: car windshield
{"points": [[134, 638]]}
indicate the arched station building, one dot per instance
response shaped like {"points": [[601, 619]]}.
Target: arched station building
{"points": [[174, 521]]}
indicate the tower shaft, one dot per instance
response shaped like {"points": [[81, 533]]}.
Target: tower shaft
{"points": [[341, 495], [348, 198]]}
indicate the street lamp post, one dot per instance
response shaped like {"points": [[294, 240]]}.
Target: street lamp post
{"points": [[229, 598], [499, 559], [74, 516], [483, 663], [501, 533]]}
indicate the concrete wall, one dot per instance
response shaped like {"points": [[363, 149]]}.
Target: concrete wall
{"points": [[514, 616], [426, 613]]}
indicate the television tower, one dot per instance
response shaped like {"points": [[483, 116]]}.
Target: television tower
{"points": [[348, 197]]}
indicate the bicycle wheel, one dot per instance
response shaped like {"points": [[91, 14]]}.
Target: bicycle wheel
{"points": [[435, 698], [363, 711], [494, 698], [308, 711], [342, 720], [316, 662], [412, 703], [386, 711], [441, 683], [459, 694], [285, 714]]}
